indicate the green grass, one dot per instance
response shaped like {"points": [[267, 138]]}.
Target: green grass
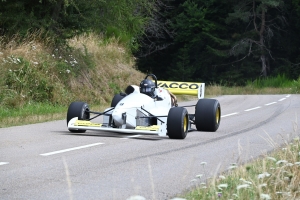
{"points": [[31, 113]]}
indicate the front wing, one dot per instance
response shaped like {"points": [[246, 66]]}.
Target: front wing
{"points": [[88, 125]]}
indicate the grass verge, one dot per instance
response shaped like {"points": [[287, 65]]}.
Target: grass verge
{"points": [[274, 176]]}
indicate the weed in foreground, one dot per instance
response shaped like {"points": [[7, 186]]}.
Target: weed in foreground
{"points": [[275, 176]]}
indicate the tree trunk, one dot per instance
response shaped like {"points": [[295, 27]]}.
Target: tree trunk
{"points": [[263, 65], [262, 44]]}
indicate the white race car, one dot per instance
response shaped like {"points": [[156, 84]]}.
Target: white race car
{"points": [[147, 109]]}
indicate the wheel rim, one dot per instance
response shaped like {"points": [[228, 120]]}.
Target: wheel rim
{"points": [[185, 124], [218, 115]]}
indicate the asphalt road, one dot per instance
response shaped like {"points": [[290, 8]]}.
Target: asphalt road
{"points": [[45, 161]]}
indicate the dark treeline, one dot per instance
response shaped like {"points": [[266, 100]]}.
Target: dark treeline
{"points": [[210, 41], [225, 41]]}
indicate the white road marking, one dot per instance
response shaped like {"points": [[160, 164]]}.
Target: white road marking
{"points": [[70, 149], [282, 99], [253, 108], [4, 163], [132, 136], [288, 96], [270, 103], [229, 114]]}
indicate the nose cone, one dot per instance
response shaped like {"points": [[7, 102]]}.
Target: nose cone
{"points": [[117, 116]]}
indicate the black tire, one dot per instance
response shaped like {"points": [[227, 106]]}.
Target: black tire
{"points": [[207, 115], [177, 123], [78, 109], [117, 98]]}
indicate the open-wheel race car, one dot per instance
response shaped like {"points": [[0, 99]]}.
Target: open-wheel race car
{"points": [[147, 109]]}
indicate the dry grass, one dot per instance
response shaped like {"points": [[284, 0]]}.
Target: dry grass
{"points": [[114, 69], [34, 71], [273, 176]]}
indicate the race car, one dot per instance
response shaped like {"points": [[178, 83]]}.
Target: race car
{"points": [[148, 109]]}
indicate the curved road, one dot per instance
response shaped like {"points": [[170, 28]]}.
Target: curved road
{"points": [[45, 161]]}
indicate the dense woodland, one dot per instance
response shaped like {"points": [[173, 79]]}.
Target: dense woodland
{"points": [[212, 41]]}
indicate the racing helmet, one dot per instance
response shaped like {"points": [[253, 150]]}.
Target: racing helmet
{"points": [[147, 87]]}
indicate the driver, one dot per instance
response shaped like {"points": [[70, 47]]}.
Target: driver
{"points": [[147, 87]]}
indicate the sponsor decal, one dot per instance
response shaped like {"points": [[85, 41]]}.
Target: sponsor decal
{"points": [[188, 88], [86, 123]]}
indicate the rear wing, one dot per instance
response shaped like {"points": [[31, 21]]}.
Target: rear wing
{"points": [[187, 88]]}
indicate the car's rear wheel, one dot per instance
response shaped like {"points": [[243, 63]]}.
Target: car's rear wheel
{"points": [[80, 110], [117, 98], [177, 123], [207, 115]]}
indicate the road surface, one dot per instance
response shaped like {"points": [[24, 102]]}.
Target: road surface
{"points": [[45, 161]]}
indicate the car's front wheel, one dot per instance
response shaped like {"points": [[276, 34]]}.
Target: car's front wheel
{"points": [[207, 115], [80, 110], [177, 123]]}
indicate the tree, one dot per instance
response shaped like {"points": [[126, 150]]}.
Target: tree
{"points": [[261, 18]]}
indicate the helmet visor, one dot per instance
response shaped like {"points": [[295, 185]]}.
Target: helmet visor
{"points": [[146, 90]]}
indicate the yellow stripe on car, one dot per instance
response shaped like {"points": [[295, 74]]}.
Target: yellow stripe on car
{"points": [[148, 128], [86, 123]]}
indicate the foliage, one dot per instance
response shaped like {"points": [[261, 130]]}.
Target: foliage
{"points": [[34, 73], [228, 41]]}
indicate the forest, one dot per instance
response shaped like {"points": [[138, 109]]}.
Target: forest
{"points": [[212, 41]]}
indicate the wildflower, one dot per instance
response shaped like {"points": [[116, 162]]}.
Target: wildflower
{"points": [[232, 167], [199, 175], [193, 180], [220, 186], [203, 163], [222, 177], [284, 149], [278, 192], [263, 185], [219, 194], [235, 195], [246, 182], [242, 186], [53, 55], [136, 197], [289, 164], [281, 161], [263, 175], [18, 60], [1, 53], [68, 71], [271, 158], [204, 187], [265, 196], [202, 183], [35, 63], [66, 61], [296, 139], [297, 163]]}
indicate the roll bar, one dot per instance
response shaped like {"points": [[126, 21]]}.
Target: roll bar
{"points": [[154, 77]]}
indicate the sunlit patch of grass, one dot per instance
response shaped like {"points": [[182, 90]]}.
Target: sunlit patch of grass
{"points": [[217, 90], [36, 113], [275, 176]]}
